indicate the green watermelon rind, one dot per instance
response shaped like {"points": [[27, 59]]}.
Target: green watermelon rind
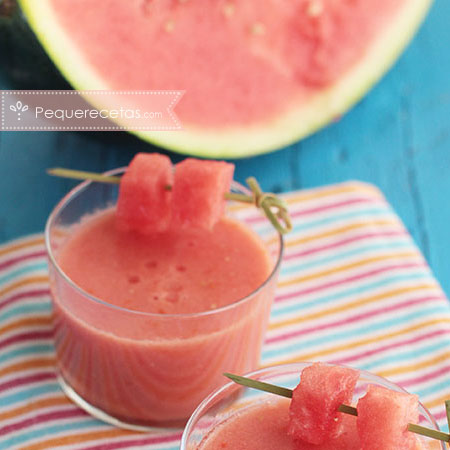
{"points": [[237, 142]]}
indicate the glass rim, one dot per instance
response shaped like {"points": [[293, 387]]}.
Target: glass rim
{"points": [[284, 369], [77, 190]]}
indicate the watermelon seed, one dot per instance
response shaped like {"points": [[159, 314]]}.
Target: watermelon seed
{"points": [[181, 268], [315, 8], [258, 29], [151, 264], [134, 279], [155, 297], [170, 25], [228, 9]]}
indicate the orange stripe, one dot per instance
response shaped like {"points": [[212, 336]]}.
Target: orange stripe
{"points": [[349, 188], [304, 196], [334, 232], [27, 322], [37, 363], [24, 282], [359, 263], [339, 230], [33, 406], [437, 402], [78, 438], [349, 305], [21, 245], [417, 366], [377, 339]]}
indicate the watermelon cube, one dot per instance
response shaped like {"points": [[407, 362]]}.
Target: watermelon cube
{"points": [[313, 413], [383, 417], [144, 203], [198, 192]]}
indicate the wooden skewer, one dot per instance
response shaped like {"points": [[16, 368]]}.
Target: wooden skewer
{"points": [[279, 218]]}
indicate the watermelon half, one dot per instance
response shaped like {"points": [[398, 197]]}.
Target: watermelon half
{"points": [[257, 75]]}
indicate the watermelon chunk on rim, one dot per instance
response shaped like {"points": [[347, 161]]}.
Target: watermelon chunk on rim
{"points": [[383, 417], [313, 413], [198, 192], [144, 203]]}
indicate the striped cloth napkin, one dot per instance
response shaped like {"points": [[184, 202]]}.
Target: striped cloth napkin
{"points": [[353, 289]]}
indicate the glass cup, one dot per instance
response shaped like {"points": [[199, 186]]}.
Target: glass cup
{"points": [[143, 370], [232, 398]]}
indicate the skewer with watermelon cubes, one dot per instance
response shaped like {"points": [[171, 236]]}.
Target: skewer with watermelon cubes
{"points": [[386, 419], [154, 195]]}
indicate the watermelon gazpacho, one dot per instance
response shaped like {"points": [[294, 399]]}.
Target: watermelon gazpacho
{"points": [[148, 314], [257, 75]]}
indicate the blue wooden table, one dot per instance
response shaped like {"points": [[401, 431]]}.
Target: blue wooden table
{"points": [[397, 137]]}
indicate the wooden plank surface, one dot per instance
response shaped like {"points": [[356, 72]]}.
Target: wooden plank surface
{"points": [[397, 137]]}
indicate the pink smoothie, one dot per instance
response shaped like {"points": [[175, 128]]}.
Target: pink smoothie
{"points": [[264, 426], [185, 271], [154, 361]]}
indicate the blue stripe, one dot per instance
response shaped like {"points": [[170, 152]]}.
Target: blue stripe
{"points": [[36, 267], [87, 423], [337, 256], [41, 350], [443, 386], [357, 333], [280, 309], [409, 355], [344, 216], [30, 393], [29, 308]]}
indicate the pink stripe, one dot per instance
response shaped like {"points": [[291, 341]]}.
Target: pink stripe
{"points": [[360, 276], [351, 319], [429, 376], [391, 346], [333, 245], [26, 337], [24, 295], [46, 417], [440, 416], [130, 443], [317, 209], [12, 261], [42, 376]]}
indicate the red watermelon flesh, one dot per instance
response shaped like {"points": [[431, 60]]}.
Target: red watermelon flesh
{"points": [[239, 62], [383, 417], [144, 203], [314, 416], [257, 75], [198, 192]]}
